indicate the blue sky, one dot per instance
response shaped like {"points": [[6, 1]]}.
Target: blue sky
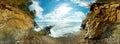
{"points": [[50, 5], [66, 15]]}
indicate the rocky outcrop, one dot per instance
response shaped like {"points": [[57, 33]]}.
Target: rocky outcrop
{"points": [[15, 22], [103, 21]]}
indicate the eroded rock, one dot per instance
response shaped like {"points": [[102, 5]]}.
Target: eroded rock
{"points": [[103, 18], [14, 22]]}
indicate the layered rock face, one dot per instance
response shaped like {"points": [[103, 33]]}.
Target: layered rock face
{"points": [[103, 21], [14, 22]]}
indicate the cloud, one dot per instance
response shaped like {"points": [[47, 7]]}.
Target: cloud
{"points": [[59, 13], [64, 20], [83, 3], [70, 24], [38, 12], [35, 6]]}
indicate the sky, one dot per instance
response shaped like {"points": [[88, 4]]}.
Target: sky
{"points": [[66, 15]]}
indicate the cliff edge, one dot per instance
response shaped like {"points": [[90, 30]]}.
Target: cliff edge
{"points": [[15, 19], [103, 22]]}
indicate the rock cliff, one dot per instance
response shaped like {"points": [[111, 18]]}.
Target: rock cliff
{"points": [[15, 19], [103, 20]]}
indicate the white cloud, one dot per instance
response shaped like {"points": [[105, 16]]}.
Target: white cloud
{"points": [[70, 24], [63, 9], [63, 14], [65, 21], [35, 6], [59, 12], [83, 3]]}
